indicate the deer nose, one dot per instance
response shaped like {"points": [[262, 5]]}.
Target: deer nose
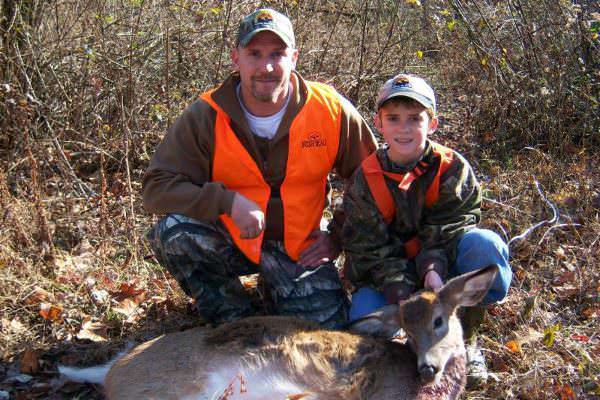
{"points": [[427, 373]]}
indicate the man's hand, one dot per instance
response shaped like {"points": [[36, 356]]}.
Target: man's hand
{"points": [[432, 280], [321, 251], [248, 217]]}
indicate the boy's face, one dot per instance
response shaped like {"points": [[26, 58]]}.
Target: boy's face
{"points": [[405, 127]]}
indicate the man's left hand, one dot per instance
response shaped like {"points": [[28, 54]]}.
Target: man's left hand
{"points": [[321, 251]]}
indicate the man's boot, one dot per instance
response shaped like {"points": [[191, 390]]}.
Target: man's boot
{"points": [[471, 319]]}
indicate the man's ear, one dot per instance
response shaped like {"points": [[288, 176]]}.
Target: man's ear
{"points": [[235, 56], [294, 58], [433, 124]]}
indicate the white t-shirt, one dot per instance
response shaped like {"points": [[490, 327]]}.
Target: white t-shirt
{"points": [[265, 127]]}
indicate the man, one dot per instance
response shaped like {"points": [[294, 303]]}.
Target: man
{"points": [[243, 178]]}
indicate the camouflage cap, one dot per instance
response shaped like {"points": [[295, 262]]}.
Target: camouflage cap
{"points": [[403, 85], [265, 19]]}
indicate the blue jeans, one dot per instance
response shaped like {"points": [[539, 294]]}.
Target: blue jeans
{"points": [[477, 248]]}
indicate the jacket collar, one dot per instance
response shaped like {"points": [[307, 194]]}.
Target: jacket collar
{"points": [[391, 166], [226, 98]]}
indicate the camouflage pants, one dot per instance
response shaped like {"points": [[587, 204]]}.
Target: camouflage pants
{"points": [[207, 265]]}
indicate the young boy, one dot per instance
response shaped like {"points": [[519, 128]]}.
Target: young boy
{"points": [[411, 215], [412, 209]]}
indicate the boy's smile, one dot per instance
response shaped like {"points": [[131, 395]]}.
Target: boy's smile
{"points": [[405, 127]]}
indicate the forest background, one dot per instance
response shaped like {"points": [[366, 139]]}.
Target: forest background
{"points": [[88, 88]]}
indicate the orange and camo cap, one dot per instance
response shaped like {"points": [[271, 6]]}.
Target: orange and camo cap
{"points": [[404, 85], [265, 19]]}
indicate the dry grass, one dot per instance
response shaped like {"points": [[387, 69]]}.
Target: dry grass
{"points": [[88, 89]]}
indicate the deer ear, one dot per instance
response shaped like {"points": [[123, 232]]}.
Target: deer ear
{"points": [[468, 289], [382, 322]]}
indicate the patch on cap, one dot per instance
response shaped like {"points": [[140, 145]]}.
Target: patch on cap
{"points": [[263, 16], [402, 81], [266, 19], [403, 85]]}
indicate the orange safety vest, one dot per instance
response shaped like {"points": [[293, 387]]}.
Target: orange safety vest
{"points": [[313, 145], [374, 175]]}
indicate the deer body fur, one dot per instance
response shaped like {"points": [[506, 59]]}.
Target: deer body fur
{"points": [[286, 358]]}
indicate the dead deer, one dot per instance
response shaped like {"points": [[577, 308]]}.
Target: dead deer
{"points": [[287, 358]]}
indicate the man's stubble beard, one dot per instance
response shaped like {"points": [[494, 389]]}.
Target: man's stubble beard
{"points": [[272, 96]]}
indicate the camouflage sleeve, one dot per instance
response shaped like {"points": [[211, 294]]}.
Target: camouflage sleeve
{"points": [[356, 143], [372, 254], [457, 210]]}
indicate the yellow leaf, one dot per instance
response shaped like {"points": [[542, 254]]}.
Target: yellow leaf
{"points": [[513, 346], [550, 334], [451, 24], [419, 54], [415, 2], [484, 61]]}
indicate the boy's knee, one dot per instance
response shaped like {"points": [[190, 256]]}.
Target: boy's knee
{"points": [[482, 247], [365, 301], [479, 248]]}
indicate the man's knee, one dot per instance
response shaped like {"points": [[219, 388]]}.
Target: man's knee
{"points": [[174, 229]]}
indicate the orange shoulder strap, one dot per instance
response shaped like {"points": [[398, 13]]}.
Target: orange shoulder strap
{"points": [[374, 175], [383, 198], [433, 191]]}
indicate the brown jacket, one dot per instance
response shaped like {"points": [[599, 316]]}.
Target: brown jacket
{"points": [[178, 179]]}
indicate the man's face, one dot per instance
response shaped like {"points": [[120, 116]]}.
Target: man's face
{"points": [[405, 128], [265, 65]]}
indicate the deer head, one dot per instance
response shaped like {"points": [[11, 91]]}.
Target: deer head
{"points": [[429, 320]]}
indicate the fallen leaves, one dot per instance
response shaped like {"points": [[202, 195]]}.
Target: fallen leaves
{"points": [[13, 327], [580, 338], [37, 295], [94, 331], [564, 392], [51, 312], [527, 337], [30, 362], [129, 290], [130, 309], [567, 276]]}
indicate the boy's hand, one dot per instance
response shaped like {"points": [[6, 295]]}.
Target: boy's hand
{"points": [[321, 251], [248, 217], [432, 280]]}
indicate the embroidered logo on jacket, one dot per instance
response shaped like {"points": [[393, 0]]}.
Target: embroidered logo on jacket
{"points": [[314, 139]]}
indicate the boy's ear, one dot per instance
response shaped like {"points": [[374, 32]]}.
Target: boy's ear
{"points": [[433, 124], [377, 120]]}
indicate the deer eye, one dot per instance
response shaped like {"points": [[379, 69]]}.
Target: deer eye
{"points": [[437, 322]]}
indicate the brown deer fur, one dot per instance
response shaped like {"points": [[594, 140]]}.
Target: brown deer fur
{"points": [[281, 357]]}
